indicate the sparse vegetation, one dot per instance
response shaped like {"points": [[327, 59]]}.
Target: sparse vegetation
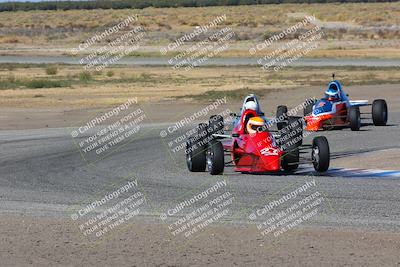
{"points": [[80, 89], [51, 70], [364, 29], [110, 73], [124, 4], [85, 76], [42, 83], [233, 94], [11, 82]]}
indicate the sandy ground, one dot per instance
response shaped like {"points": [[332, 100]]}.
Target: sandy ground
{"points": [[171, 110], [354, 30], [342, 49], [55, 242]]}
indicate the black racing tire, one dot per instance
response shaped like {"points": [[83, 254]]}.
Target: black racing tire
{"points": [[195, 156], [308, 108], [216, 124], [320, 154], [202, 135], [215, 158], [296, 126], [281, 116], [379, 112], [355, 118], [290, 159], [292, 134]]}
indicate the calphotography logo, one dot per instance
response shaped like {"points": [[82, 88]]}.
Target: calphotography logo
{"points": [[122, 40], [289, 211], [199, 30], [210, 43], [289, 51], [109, 211], [104, 133], [193, 117], [194, 214], [199, 125]]}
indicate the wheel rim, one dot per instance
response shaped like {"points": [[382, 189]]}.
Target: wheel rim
{"points": [[359, 121], [209, 159], [315, 155], [189, 160]]}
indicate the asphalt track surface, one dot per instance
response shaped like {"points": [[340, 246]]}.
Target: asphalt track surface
{"points": [[42, 173], [156, 61]]}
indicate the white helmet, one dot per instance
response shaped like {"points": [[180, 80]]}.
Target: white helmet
{"points": [[250, 105]]}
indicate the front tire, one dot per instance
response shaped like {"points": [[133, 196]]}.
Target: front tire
{"points": [[215, 158], [290, 160], [379, 112], [195, 155], [320, 154], [355, 118]]}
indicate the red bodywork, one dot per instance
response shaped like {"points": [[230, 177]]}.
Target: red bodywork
{"points": [[253, 152], [321, 121]]}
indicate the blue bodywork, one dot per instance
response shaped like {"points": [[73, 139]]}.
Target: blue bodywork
{"points": [[322, 106], [337, 84]]}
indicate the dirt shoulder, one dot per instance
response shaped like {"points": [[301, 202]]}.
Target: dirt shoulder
{"points": [[56, 242], [12, 118]]}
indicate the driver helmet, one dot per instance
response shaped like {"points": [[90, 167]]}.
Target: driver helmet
{"points": [[253, 124], [250, 105], [332, 93]]}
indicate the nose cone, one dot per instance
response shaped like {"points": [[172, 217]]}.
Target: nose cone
{"points": [[322, 106]]}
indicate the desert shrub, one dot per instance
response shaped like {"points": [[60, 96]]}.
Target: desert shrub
{"points": [[51, 70], [42, 83], [85, 76], [110, 73]]}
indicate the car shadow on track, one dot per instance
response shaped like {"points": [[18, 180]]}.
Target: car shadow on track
{"points": [[371, 124], [280, 173]]}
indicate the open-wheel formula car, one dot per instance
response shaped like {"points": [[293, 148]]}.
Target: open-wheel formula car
{"points": [[336, 110], [252, 145]]}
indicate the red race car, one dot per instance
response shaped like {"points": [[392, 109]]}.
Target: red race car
{"points": [[252, 145], [335, 110]]}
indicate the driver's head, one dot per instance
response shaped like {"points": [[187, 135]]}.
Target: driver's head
{"points": [[250, 105], [253, 124], [332, 93]]}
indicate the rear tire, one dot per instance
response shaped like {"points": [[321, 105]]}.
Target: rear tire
{"points": [[195, 155], [379, 112], [215, 158], [295, 124], [320, 154], [291, 134], [355, 118], [216, 124], [281, 116], [202, 133]]}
